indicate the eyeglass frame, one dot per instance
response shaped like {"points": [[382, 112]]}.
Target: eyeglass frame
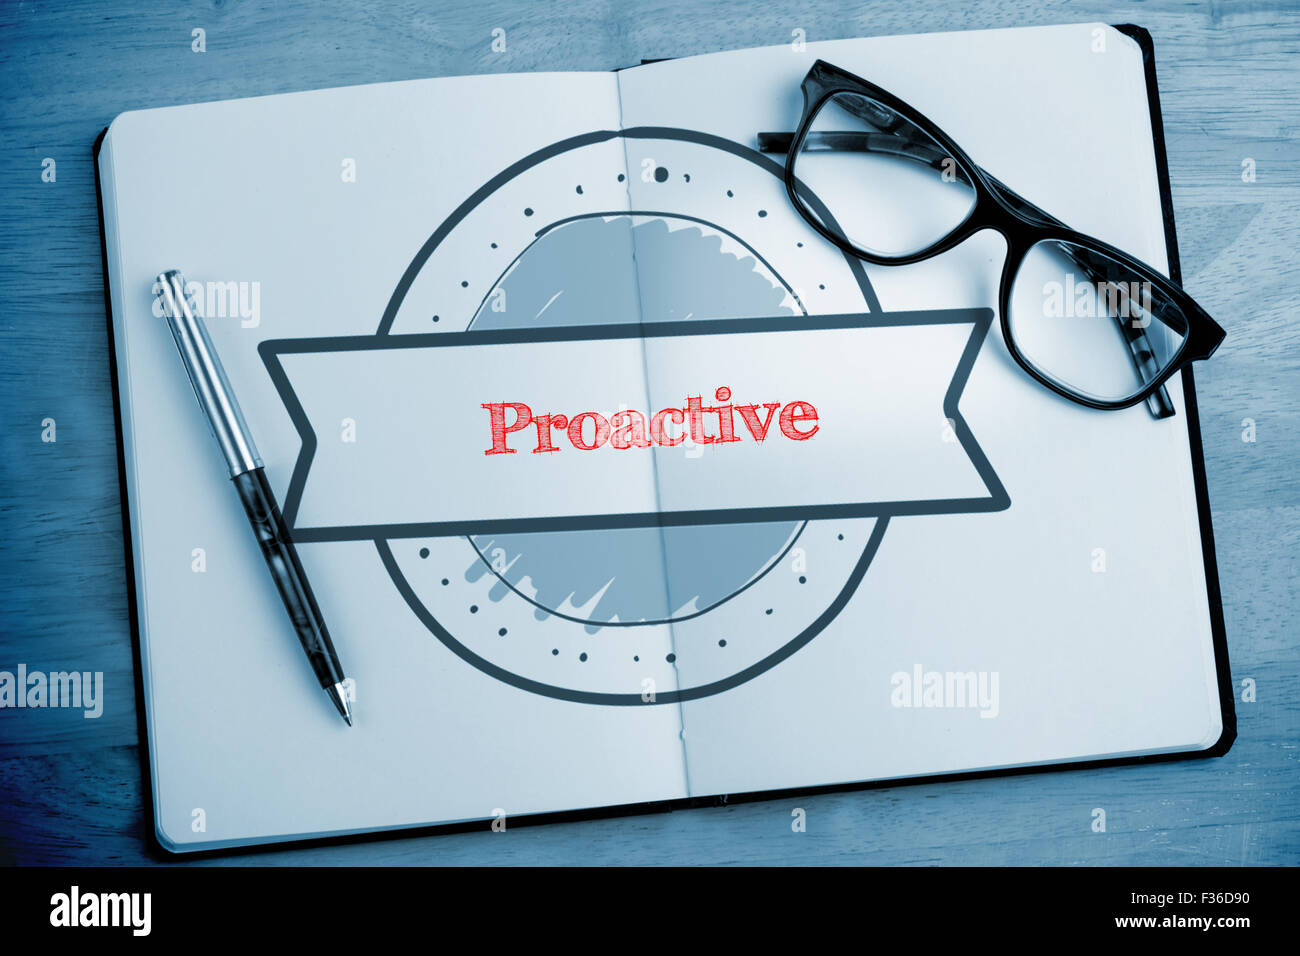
{"points": [[1021, 224]]}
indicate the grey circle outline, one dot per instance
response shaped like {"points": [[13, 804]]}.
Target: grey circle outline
{"points": [[385, 325]]}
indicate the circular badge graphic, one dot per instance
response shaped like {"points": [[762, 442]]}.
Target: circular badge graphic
{"points": [[562, 238]]}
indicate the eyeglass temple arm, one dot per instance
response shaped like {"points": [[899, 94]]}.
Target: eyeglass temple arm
{"points": [[898, 143]]}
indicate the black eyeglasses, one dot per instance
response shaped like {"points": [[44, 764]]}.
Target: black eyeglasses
{"points": [[1085, 319]]}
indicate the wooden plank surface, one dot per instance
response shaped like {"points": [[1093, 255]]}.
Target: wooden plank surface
{"points": [[71, 789]]}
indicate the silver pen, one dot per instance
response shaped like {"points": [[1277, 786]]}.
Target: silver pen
{"points": [[217, 399]]}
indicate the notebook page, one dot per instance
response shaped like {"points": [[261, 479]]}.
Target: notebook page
{"points": [[1073, 624], [329, 213]]}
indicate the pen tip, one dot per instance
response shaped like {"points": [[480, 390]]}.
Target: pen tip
{"points": [[339, 695]]}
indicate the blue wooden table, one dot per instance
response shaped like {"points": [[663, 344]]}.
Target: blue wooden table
{"points": [[71, 789]]}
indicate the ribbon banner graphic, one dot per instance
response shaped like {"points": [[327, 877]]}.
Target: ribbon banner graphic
{"points": [[633, 425]]}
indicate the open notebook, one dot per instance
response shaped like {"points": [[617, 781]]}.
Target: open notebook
{"points": [[484, 329]]}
